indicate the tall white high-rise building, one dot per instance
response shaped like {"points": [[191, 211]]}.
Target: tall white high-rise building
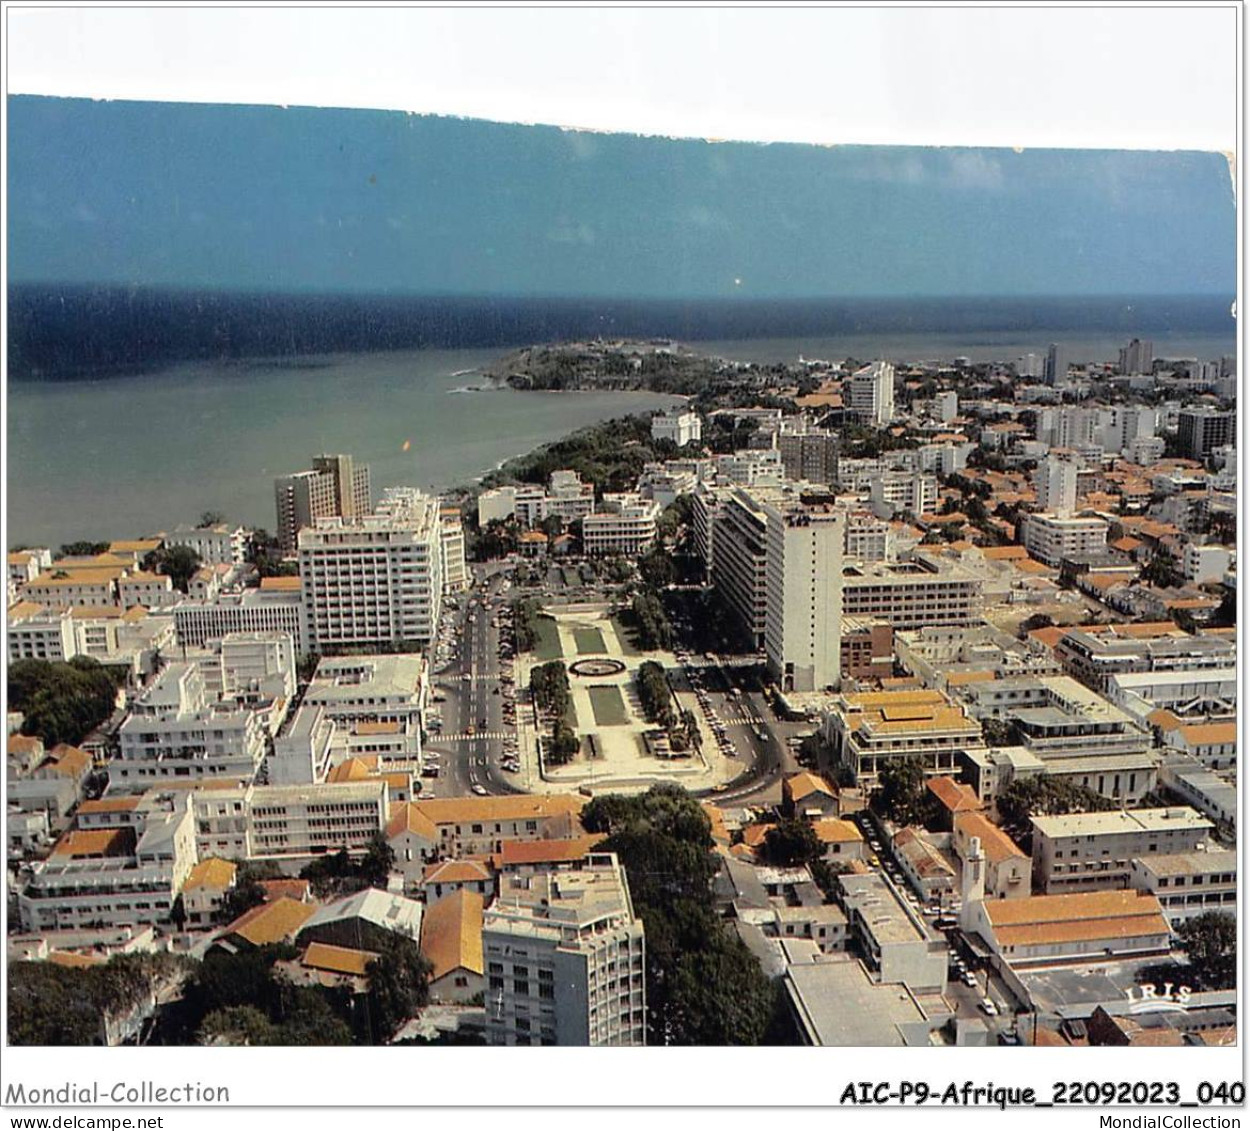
{"points": [[803, 583], [374, 581], [565, 959], [1056, 486], [1030, 365], [1137, 357], [681, 428], [1057, 362], [870, 393]]}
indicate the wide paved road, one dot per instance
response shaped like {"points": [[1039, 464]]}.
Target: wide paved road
{"points": [[471, 685]]}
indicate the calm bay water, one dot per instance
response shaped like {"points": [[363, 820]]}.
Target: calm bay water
{"points": [[128, 456]]}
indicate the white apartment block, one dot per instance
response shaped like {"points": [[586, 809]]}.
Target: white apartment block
{"points": [[626, 525], [87, 884], [36, 633], [1204, 565], [77, 586], [752, 468], [26, 565], [1056, 486], [222, 544], [1187, 884], [302, 749], [454, 564], [565, 959], [678, 427], [254, 610], [148, 590], [565, 496], [175, 733], [1050, 538], [276, 822], [895, 491], [869, 538], [910, 596], [1093, 851], [870, 393], [374, 580], [803, 587], [739, 567], [258, 666]]}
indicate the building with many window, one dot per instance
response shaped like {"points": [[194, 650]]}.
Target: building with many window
{"points": [[1093, 851], [678, 427], [565, 959], [335, 486], [625, 525], [276, 606], [375, 580], [869, 393], [177, 732], [1051, 538]]}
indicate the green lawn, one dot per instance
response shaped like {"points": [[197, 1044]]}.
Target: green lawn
{"points": [[547, 645], [608, 706], [589, 642], [623, 624]]}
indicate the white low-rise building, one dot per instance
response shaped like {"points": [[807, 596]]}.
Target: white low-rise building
{"points": [[113, 877], [292, 822], [678, 427], [1187, 884], [1093, 851], [626, 525], [1051, 538], [175, 733], [220, 544]]}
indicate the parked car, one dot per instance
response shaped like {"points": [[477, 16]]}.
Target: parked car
{"points": [[987, 1007]]}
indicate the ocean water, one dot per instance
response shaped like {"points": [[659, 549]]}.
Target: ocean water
{"points": [[130, 455], [127, 456]]}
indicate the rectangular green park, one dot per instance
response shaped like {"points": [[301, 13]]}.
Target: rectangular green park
{"points": [[547, 639], [589, 642], [608, 706]]}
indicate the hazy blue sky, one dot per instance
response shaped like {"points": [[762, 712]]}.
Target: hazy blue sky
{"points": [[351, 200]]}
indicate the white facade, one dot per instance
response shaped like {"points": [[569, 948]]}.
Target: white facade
{"points": [[43, 635], [1204, 565], [375, 580], [565, 959], [301, 751], [1187, 884], [1050, 538], [1056, 486], [276, 821], [174, 733], [803, 584], [217, 545], [680, 428], [258, 665], [255, 610], [454, 565], [870, 393], [1092, 851], [902, 491], [626, 525], [72, 893]]}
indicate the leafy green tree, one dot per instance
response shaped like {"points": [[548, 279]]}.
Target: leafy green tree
{"points": [[564, 744], [399, 980], [237, 1025], [62, 702], [703, 986], [1044, 796], [900, 791], [792, 842], [83, 549], [1210, 941], [212, 518], [178, 563], [378, 862]]}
